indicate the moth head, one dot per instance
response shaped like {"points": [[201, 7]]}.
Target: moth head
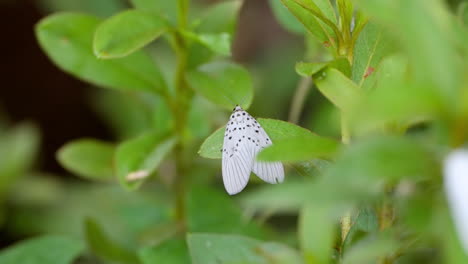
{"points": [[237, 108]]}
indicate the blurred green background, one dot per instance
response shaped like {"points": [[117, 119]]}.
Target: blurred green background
{"points": [[387, 182]]}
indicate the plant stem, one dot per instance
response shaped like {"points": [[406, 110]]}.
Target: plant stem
{"points": [[300, 95], [346, 219], [180, 109]]}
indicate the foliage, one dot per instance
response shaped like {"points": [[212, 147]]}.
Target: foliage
{"points": [[372, 196]]}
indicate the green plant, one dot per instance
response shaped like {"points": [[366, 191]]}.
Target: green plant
{"points": [[375, 196]]}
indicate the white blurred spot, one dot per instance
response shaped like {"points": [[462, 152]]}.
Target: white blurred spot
{"points": [[456, 188], [137, 175]]}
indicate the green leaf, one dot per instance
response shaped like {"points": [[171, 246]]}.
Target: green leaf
{"points": [[302, 148], [46, 249], [277, 130], [371, 46], [365, 166], [126, 32], [370, 250], [163, 8], [67, 39], [218, 43], [325, 6], [345, 10], [308, 20], [103, 8], [285, 18], [310, 68], [173, 251], [214, 248], [19, 147], [337, 88], [220, 17], [223, 83], [88, 158], [395, 102], [138, 158], [365, 221], [317, 232], [203, 205], [101, 245], [288, 197], [424, 29]]}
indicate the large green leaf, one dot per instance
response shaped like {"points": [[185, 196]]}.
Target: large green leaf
{"points": [[301, 148], [203, 207], [40, 250], [370, 250], [338, 88], [316, 232], [172, 251], [425, 31], [218, 43], [220, 17], [363, 167], [395, 101], [126, 32], [138, 158], [164, 8], [215, 248], [223, 83], [277, 130], [371, 46], [89, 158], [67, 39], [102, 246]]}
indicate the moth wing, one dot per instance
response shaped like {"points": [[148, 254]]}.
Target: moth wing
{"points": [[237, 160], [271, 172]]}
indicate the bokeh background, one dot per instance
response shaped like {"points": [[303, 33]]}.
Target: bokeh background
{"points": [[50, 108]]}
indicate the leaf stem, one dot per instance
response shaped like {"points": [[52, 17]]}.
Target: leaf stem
{"points": [[300, 96]]}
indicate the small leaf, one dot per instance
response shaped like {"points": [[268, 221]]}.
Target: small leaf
{"points": [[299, 149], [126, 32], [46, 249], [214, 248], [172, 251], [218, 43], [141, 156], [310, 68], [223, 83], [89, 158], [340, 90], [276, 129], [67, 39], [101, 245]]}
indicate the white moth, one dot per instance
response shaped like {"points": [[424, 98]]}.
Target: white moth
{"points": [[456, 189], [243, 140]]}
